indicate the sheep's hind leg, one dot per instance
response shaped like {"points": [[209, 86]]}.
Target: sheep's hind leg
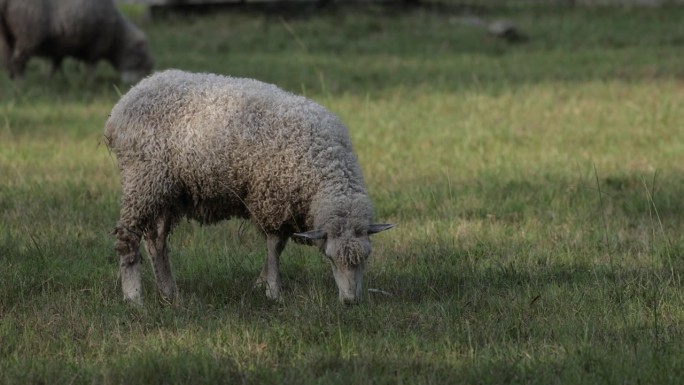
{"points": [[56, 68], [5, 50], [158, 253], [127, 247], [270, 274], [17, 63], [138, 212]]}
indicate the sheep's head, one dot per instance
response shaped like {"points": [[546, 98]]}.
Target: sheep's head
{"points": [[347, 252], [135, 62], [133, 58]]}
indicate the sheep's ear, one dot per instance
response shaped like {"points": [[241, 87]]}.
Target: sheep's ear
{"points": [[378, 227], [311, 235]]}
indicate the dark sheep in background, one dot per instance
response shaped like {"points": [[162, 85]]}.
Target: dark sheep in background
{"points": [[87, 30]]}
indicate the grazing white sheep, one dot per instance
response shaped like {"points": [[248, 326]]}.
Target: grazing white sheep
{"points": [[210, 147]]}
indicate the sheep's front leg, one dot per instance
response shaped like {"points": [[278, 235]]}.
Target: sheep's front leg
{"points": [[56, 68], [5, 52], [17, 63], [157, 251], [270, 274], [127, 247]]}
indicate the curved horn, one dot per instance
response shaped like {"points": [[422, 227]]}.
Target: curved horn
{"points": [[378, 227], [311, 235]]}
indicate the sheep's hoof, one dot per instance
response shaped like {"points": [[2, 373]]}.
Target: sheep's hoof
{"points": [[168, 300], [273, 295], [135, 300], [168, 294], [272, 290]]}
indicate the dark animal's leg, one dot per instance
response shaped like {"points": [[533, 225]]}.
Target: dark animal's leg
{"points": [[6, 46], [158, 253], [56, 67], [270, 274], [6, 52], [17, 63], [6, 63], [90, 71]]}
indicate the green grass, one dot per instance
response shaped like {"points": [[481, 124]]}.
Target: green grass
{"points": [[537, 187]]}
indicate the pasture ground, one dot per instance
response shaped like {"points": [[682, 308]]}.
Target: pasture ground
{"points": [[537, 190]]}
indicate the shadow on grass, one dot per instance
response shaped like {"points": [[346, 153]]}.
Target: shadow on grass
{"points": [[589, 365], [156, 367]]}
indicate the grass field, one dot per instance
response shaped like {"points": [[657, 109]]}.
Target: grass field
{"points": [[537, 190]]}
